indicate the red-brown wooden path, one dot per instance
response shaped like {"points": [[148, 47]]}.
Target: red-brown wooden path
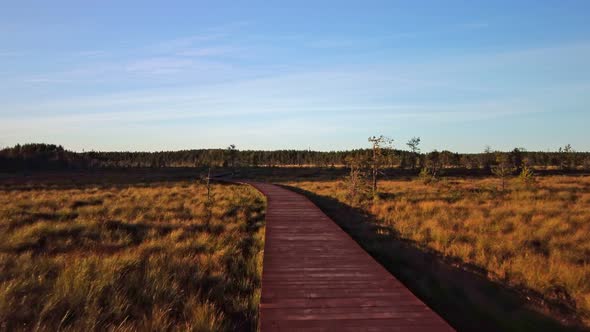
{"points": [[317, 278]]}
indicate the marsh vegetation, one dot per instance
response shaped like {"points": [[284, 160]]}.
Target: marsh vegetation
{"points": [[148, 256], [145, 249]]}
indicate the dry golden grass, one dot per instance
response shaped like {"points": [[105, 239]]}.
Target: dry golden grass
{"points": [[534, 237], [130, 258]]}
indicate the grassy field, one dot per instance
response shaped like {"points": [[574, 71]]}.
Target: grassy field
{"points": [[137, 250], [533, 239], [129, 256]]}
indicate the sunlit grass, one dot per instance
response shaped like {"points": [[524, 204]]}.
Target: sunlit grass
{"points": [[130, 258]]}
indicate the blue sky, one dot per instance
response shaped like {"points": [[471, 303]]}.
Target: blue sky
{"points": [[146, 75]]}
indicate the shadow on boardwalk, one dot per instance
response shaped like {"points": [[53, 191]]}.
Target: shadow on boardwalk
{"points": [[463, 297]]}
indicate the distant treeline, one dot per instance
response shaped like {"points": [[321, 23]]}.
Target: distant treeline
{"points": [[54, 157]]}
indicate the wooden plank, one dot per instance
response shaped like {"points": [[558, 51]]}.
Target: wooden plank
{"points": [[317, 278]]}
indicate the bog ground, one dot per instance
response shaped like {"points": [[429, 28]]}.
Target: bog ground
{"points": [[145, 249], [147, 256]]}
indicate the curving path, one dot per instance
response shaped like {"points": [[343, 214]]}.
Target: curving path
{"points": [[316, 277]]}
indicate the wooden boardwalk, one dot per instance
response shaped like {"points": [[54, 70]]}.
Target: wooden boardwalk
{"points": [[317, 278]]}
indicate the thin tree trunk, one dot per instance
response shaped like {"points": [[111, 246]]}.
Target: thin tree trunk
{"points": [[374, 181], [374, 170]]}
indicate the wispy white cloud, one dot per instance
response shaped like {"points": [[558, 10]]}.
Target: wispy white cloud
{"points": [[338, 87], [92, 53], [444, 76], [333, 43], [43, 80], [159, 66], [209, 38], [209, 51], [350, 97], [173, 45], [172, 56]]}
